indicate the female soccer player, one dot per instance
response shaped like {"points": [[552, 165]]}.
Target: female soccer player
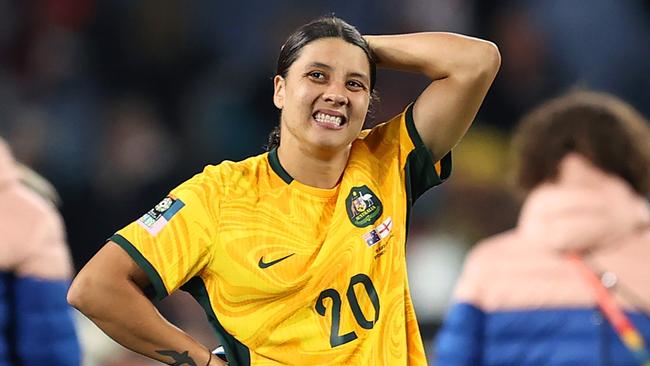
{"points": [[297, 255]]}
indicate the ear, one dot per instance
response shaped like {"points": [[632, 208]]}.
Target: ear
{"points": [[278, 91]]}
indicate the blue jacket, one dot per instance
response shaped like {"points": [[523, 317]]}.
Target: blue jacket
{"points": [[36, 323], [560, 337]]}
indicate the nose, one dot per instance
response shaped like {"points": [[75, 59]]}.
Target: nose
{"points": [[335, 95]]}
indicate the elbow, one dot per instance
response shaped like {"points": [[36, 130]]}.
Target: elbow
{"points": [[487, 61], [481, 64], [492, 58], [80, 294], [75, 294]]}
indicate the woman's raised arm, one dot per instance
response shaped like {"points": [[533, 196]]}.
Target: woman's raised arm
{"points": [[461, 69]]}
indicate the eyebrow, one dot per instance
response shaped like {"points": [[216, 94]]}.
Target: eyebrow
{"points": [[328, 67]]}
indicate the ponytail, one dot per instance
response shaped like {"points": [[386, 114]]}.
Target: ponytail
{"points": [[274, 139]]}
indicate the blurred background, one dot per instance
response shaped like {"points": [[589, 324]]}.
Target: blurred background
{"points": [[116, 102]]}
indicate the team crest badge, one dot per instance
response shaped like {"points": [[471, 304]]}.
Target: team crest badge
{"points": [[363, 206]]}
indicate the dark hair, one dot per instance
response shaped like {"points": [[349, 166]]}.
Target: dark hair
{"points": [[598, 126], [324, 27]]}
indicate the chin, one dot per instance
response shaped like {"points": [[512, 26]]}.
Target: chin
{"points": [[330, 145]]}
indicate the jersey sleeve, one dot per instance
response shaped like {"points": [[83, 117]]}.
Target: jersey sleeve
{"points": [[421, 171], [400, 133], [172, 242]]}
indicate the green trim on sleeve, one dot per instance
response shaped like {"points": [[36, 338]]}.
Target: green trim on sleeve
{"points": [[142, 262], [410, 127], [274, 161], [236, 352], [420, 168]]}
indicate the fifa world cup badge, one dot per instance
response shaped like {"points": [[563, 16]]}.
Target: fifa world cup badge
{"points": [[158, 217]]}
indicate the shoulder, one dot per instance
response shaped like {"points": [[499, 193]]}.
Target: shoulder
{"points": [[31, 226], [482, 262], [489, 250], [23, 209], [387, 141], [387, 131], [227, 177], [232, 171], [490, 253]]}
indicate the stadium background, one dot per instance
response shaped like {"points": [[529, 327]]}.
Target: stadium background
{"points": [[117, 101]]}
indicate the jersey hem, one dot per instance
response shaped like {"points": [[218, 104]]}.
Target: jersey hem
{"points": [[144, 264]]}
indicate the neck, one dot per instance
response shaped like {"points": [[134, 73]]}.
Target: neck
{"points": [[318, 169]]}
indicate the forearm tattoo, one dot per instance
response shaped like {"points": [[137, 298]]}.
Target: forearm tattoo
{"points": [[180, 359]]}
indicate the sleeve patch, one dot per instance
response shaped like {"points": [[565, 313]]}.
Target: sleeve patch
{"points": [[158, 217]]}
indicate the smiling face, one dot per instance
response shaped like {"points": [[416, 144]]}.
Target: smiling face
{"points": [[325, 96]]}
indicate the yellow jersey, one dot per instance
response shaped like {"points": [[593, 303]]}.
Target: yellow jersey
{"points": [[292, 274]]}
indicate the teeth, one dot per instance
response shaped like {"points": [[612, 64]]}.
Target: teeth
{"points": [[326, 118]]}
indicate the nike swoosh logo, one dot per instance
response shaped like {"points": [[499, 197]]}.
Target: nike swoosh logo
{"points": [[263, 264]]}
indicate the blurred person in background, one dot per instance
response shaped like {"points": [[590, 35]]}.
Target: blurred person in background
{"points": [[297, 255], [569, 284], [36, 323]]}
